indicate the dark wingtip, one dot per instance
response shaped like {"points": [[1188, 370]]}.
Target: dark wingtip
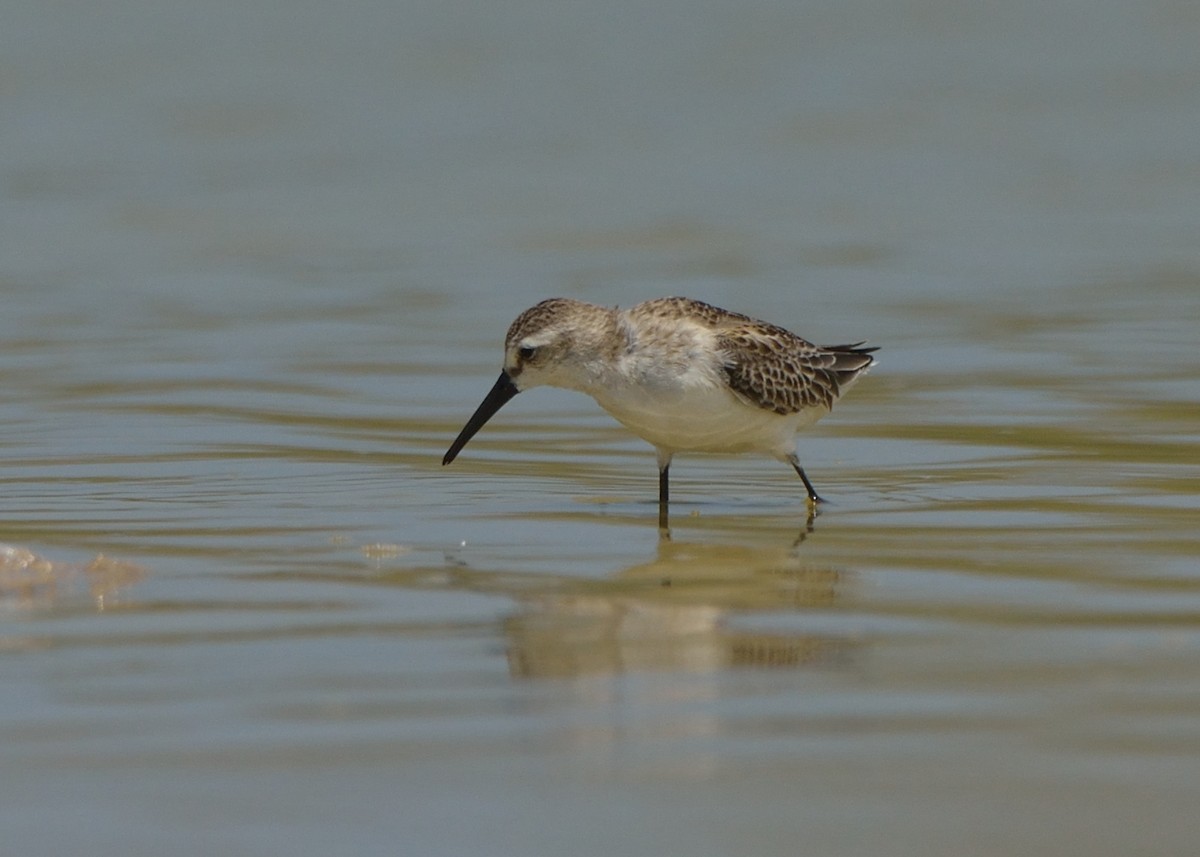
{"points": [[853, 348]]}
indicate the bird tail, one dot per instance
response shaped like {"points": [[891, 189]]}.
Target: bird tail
{"points": [[850, 361]]}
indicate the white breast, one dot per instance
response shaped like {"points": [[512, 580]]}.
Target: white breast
{"points": [[701, 416]]}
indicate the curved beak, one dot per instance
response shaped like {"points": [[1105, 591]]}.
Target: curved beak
{"points": [[503, 390]]}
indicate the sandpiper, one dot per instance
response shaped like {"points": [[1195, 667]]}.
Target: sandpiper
{"points": [[682, 374]]}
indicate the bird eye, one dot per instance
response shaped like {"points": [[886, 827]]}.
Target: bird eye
{"points": [[526, 352]]}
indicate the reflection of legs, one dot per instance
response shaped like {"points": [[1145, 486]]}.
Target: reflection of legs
{"points": [[808, 525], [813, 498]]}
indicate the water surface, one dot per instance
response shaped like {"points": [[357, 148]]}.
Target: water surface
{"points": [[255, 273]]}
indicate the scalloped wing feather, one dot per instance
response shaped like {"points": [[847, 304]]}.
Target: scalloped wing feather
{"points": [[776, 370]]}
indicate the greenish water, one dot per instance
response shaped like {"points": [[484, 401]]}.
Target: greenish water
{"points": [[245, 313]]}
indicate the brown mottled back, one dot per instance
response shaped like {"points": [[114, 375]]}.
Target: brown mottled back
{"points": [[769, 366], [783, 373]]}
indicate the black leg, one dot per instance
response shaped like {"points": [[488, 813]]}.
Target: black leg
{"points": [[664, 492], [813, 497]]}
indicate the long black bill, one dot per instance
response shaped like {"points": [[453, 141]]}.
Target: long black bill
{"points": [[503, 390]]}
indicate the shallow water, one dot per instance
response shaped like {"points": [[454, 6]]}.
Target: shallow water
{"points": [[255, 273]]}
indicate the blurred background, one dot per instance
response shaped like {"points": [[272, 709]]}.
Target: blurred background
{"points": [[256, 264]]}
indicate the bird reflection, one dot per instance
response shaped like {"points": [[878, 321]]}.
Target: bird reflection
{"points": [[672, 614]]}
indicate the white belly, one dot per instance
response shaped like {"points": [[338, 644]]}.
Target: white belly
{"points": [[705, 419]]}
